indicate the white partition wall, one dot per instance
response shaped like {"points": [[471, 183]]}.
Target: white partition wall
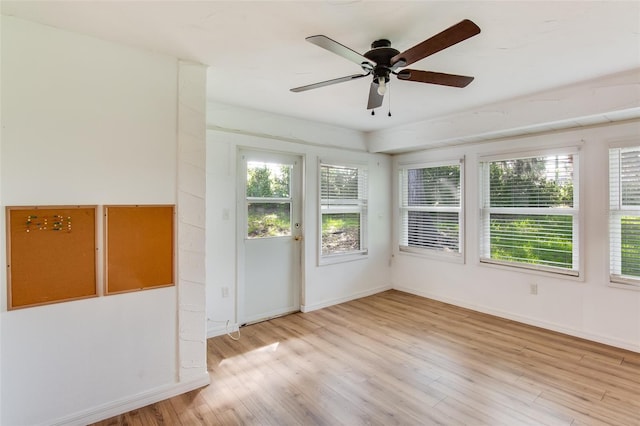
{"points": [[90, 122]]}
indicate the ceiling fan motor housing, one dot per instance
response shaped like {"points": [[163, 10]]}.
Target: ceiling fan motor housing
{"points": [[381, 53]]}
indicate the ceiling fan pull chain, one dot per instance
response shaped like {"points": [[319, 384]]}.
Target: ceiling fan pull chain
{"points": [[389, 95]]}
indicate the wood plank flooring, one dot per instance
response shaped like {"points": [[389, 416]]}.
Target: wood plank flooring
{"points": [[398, 359]]}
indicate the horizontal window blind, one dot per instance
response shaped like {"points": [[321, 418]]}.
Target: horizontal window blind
{"points": [[341, 185], [343, 205], [529, 212], [433, 230], [630, 177], [624, 214], [432, 186], [532, 182], [430, 208], [534, 239]]}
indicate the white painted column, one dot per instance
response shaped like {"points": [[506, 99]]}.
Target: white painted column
{"points": [[191, 179]]}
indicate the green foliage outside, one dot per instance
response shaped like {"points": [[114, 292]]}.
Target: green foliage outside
{"points": [[538, 183], [630, 246], [540, 240], [268, 219], [340, 232], [268, 182], [526, 183]]}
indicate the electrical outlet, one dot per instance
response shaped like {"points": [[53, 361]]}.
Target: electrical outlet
{"points": [[225, 291], [533, 288]]}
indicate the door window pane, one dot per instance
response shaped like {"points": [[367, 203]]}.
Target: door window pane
{"points": [[268, 180], [269, 220]]}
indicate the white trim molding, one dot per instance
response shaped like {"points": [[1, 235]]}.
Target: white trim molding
{"points": [[124, 405]]}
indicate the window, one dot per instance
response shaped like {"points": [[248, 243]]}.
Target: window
{"points": [[343, 210], [624, 215], [268, 200], [530, 214], [431, 208]]}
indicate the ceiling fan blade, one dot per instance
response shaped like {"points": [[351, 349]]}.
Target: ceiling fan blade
{"points": [[375, 99], [339, 49], [447, 38], [435, 78], [328, 82]]}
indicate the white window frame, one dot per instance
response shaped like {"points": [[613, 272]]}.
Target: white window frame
{"points": [[575, 212], [616, 211], [351, 205], [456, 256]]}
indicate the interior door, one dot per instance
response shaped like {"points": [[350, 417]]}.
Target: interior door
{"points": [[270, 235]]}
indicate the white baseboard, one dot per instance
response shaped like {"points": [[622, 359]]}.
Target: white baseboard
{"points": [[315, 306], [217, 330], [124, 405], [220, 329], [623, 344]]}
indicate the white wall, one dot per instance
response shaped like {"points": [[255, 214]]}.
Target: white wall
{"points": [[232, 127], [605, 99], [86, 122], [587, 308]]}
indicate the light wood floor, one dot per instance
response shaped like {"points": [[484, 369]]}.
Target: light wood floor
{"points": [[395, 358]]}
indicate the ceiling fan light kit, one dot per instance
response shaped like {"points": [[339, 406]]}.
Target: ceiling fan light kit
{"points": [[383, 60]]}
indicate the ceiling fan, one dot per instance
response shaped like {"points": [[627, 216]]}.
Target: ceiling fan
{"points": [[383, 60]]}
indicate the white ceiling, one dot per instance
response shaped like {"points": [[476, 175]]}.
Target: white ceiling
{"points": [[256, 50]]}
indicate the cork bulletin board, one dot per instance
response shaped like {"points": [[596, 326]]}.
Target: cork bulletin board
{"points": [[51, 254], [139, 247]]}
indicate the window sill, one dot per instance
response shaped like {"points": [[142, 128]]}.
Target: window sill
{"points": [[342, 258], [453, 257], [627, 285], [533, 270]]}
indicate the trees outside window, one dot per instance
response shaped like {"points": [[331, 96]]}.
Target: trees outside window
{"points": [[268, 199]]}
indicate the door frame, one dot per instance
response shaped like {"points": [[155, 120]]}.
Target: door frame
{"points": [[241, 226]]}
